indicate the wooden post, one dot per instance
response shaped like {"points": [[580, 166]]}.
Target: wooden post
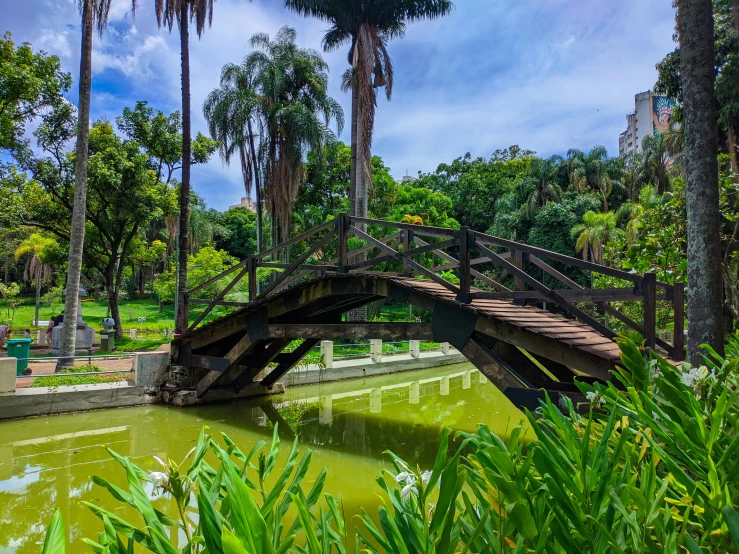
{"points": [[517, 260], [678, 336], [650, 309], [407, 245], [465, 279], [252, 278], [342, 230]]}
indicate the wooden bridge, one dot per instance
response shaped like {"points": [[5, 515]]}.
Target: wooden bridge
{"points": [[535, 336]]}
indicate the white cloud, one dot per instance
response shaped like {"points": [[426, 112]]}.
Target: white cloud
{"points": [[545, 74], [136, 63]]}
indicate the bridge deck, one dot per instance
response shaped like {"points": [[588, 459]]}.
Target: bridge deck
{"points": [[530, 318], [502, 331]]}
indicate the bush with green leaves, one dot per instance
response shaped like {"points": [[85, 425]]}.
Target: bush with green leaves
{"points": [[651, 466]]}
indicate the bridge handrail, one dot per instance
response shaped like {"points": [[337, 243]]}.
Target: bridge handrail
{"points": [[465, 241]]}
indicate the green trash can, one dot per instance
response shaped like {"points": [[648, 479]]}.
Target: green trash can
{"points": [[21, 349]]}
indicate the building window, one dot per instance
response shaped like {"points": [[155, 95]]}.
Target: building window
{"points": [[631, 144]]}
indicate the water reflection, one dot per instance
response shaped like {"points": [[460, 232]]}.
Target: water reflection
{"points": [[47, 462]]}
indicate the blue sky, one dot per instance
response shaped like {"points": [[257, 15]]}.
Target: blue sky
{"points": [[547, 75]]}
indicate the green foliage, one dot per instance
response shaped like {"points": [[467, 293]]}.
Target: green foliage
{"points": [[29, 84], [61, 378], [595, 231], [235, 511], [160, 137], [204, 265], [649, 467], [474, 186], [238, 234], [11, 302]]}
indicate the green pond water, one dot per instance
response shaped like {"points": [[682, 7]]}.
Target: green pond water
{"points": [[47, 462]]}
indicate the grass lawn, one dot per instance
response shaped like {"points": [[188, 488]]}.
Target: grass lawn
{"points": [[59, 379], [94, 311]]}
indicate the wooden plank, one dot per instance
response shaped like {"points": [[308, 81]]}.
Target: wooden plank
{"points": [[217, 278], [455, 262], [219, 303], [423, 230], [650, 310], [298, 263], [418, 267], [256, 362], [311, 267], [552, 295], [464, 266], [576, 295], [336, 331], [213, 363], [482, 238], [218, 298], [594, 364], [233, 357], [286, 361]]}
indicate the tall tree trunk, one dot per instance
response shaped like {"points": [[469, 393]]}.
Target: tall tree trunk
{"points": [[184, 242], [353, 170], [361, 182], [115, 312], [257, 185], [77, 231], [38, 295], [697, 74], [273, 222]]}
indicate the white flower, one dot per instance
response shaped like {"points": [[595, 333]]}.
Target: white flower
{"points": [[406, 492], [158, 478], [426, 477], [402, 476], [159, 461], [595, 398]]}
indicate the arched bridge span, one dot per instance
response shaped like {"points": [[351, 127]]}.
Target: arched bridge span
{"points": [[509, 335]]}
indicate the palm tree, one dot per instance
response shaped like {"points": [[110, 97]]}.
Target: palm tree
{"points": [[697, 78], [592, 171], [94, 14], [632, 175], [648, 199], [295, 112], [232, 113], [656, 162], [367, 25], [37, 267], [595, 231], [540, 186], [184, 12]]}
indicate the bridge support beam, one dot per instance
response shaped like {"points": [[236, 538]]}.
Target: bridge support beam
{"points": [[488, 363]]}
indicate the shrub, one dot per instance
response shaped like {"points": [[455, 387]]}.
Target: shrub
{"points": [[651, 467]]}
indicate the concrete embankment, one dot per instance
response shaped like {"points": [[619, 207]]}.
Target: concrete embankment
{"points": [[150, 371]]}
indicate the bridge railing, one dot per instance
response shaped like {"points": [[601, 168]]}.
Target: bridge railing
{"points": [[461, 250]]}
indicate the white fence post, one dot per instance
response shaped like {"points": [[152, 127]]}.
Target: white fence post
{"points": [[444, 347], [376, 350], [327, 353], [414, 348], [7, 376], [444, 386]]}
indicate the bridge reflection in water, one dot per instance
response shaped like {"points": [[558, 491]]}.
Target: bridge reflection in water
{"points": [[47, 462]]}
